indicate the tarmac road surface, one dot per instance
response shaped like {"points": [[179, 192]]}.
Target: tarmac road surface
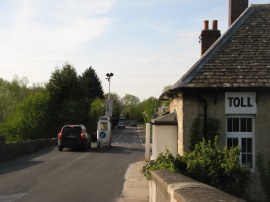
{"points": [[95, 175]]}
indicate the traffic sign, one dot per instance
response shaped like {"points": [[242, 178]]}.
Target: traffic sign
{"points": [[109, 107]]}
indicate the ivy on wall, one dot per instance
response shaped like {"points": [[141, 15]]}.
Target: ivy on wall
{"points": [[264, 172], [196, 131]]}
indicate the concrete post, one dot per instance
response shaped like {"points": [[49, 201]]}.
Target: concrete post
{"points": [[147, 141]]}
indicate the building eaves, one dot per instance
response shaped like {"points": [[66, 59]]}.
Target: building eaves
{"points": [[169, 119]]}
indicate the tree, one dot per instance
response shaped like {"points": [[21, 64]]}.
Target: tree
{"points": [[166, 88], [130, 106], [37, 112], [64, 84], [11, 93], [148, 107], [72, 95], [117, 105], [91, 84], [96, 110], [130, 100], [30, 120]]}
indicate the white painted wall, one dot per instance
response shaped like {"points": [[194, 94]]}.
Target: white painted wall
{"points": [[164, 138], [147, 141]]}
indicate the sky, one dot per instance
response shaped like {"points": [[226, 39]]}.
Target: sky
{"points": [[146, 44]]}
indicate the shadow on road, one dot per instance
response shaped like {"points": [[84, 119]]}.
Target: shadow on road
{"points": [[23, 162], [118, 149]]}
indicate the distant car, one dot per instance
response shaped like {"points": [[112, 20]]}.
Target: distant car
{"points": [[133, 123], [121, 125], [73, 136]]}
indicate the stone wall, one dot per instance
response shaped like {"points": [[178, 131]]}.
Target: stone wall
{"points": [[168, 186], [15, 150], [176, 105]]}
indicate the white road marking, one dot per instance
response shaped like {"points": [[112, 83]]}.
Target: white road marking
{"points": [[140, 135], [119, 136]]}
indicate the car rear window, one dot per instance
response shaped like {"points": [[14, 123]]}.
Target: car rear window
{"points": [[71, 130]]}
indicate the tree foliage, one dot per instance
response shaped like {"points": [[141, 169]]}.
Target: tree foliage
{"points": [[130, 100], [96, 110], [41, 111], [72, 95], [30, 120], [11, 93], [117, 108], [91, 85], [67, 98], [64, 84], [148, 107], [130, 106], [166, 88]]}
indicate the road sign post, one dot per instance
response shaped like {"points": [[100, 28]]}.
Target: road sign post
{"points": [[109, 108]]}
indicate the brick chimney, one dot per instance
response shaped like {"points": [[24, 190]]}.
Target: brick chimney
{"points": [[208, 37], [236, 8]]}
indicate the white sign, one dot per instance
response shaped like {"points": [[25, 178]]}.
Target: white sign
{"points": [[109, 108], [240, 103]]}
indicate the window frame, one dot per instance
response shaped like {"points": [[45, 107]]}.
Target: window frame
{"points": [[241, 135]]}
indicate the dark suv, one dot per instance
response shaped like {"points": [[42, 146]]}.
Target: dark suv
{"points": [[73, 136]]}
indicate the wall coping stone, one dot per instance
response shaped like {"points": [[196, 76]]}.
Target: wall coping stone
{"points": [[183, 188]]}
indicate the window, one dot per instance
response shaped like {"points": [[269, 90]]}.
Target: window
{"points": [[240, 132], [239, 124]]}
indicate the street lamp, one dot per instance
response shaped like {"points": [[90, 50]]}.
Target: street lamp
{"points": [[109, 75], [109, 102]]}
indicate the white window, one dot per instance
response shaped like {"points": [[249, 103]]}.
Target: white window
{"points": [[240, 131]]}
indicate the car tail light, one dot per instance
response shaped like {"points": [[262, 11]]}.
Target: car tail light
{"points": [[83, 136], [59, 135]]}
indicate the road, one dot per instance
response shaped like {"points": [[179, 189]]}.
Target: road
{"points": [[95, 175]]}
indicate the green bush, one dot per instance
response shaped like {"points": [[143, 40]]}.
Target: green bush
{"points": [[163, 161], [209, 164], [217, 167]]}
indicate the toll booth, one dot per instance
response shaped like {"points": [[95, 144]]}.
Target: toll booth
{"points": [[104, 132]]}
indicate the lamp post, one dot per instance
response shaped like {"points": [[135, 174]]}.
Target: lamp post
{"points": [[109, 75], [109, 102]]}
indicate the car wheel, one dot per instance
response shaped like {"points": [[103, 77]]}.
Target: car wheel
{"points": [[60, 148]]}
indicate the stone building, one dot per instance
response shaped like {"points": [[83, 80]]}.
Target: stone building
{"points": [[231, 82]]}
